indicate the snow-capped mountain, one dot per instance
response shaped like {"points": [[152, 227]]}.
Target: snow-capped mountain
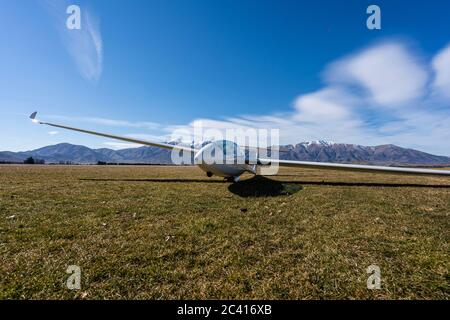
{"points": [[318, 142]]}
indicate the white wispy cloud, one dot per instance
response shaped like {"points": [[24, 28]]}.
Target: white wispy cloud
{"points": [[106, 122], [121, 123], [441, 68], [147, 137], [390, 73], [120, 145], [53, 133], [85, 45], [328, 104], [139, 136]]}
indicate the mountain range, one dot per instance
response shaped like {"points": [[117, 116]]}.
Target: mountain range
{"points": [[321, 151]]}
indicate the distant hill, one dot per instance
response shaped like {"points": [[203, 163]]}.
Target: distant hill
{"points": [[66, 152], [321, 151]]}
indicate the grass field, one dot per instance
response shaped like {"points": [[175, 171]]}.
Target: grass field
{"points": [[171, 232]]}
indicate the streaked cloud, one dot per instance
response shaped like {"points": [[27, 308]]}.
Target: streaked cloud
{"points": [[441, 68], [106, 122], [121, 123], [140, 136], [147, 137], [328, 104], [85, 46], [389, 72], [53, 133], [120, 145]]}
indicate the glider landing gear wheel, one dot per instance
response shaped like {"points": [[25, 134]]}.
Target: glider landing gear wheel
{"points": [[232, 179], [209, 174]]}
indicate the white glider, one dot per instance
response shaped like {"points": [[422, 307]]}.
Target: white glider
{"points": [[232, 170]]}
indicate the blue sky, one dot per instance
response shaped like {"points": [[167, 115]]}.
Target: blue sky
{"points": [[311, 69]]}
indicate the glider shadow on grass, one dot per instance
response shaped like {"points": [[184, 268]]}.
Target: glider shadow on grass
{"points": [[257, 186], [260, 186]]}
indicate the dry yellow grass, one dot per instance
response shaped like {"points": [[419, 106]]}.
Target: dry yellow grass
{"points": [[170, 232]]}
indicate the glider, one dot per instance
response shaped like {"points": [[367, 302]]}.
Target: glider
{"points": [[232, 170]]}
